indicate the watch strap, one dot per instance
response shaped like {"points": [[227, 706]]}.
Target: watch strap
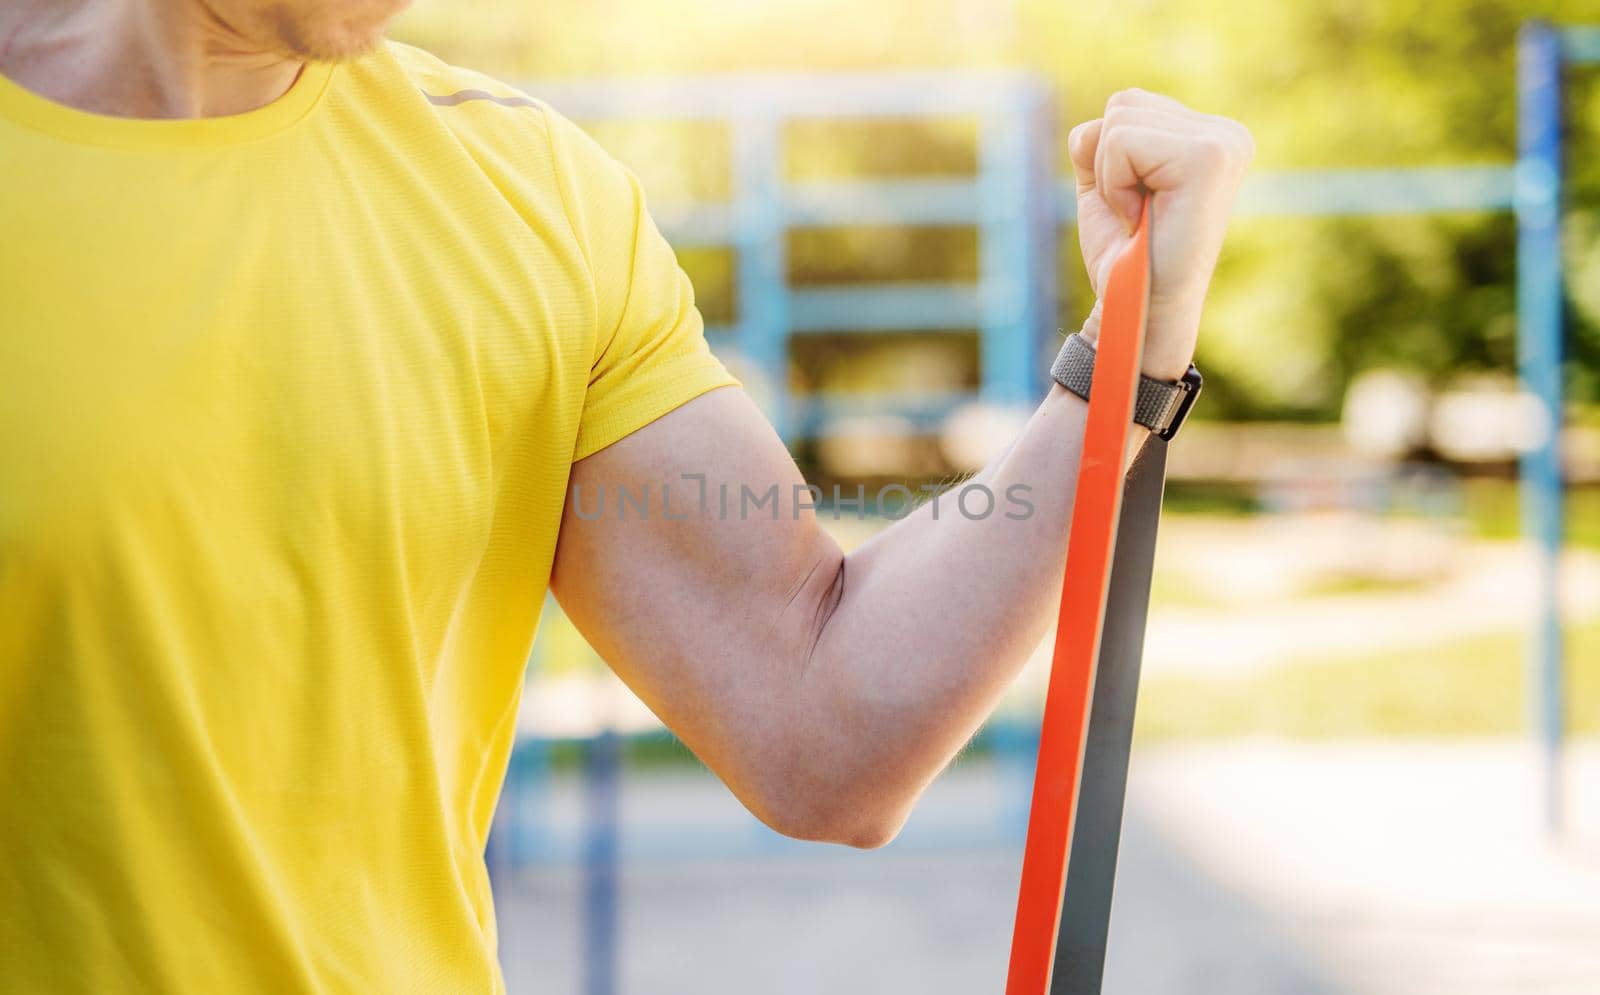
{"points": [[1159, 405]]}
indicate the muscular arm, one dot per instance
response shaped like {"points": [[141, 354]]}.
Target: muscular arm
{"points": [[825, 689], [828, 690]]}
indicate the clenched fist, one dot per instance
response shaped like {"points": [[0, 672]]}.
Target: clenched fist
{"points": [[1192, 164]]}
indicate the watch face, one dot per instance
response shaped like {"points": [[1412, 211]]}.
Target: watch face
{"points": [[1189, 391]]}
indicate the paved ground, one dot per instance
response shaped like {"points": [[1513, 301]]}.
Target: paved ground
{"points": [[1248, 868]]}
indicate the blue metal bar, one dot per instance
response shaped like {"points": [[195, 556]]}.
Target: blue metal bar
{"points": [[1007, 360], [519, 822], [763, 291], [603, 769], [1322, 192], [911, 201], [1429, 190], [954, 201], [1581, 46], [1539, 347], [834, 95], [922, 306], [1043, 234]]}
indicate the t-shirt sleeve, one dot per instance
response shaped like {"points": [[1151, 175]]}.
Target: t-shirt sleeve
{"points": [[650, 353]]}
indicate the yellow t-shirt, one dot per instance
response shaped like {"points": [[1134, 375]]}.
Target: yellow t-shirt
{"points": [[288, 402]]}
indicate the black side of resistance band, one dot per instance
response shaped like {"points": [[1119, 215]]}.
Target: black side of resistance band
{"points": [[1092, 860]]}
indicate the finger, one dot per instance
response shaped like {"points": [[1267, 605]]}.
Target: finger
{"points": [[1118, 209], [1213, 138], [1134, 159], [1082, 142], [1157, 117], [1136, 97]]}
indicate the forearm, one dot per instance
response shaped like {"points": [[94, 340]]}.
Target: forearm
{"points": [[934, 617]]}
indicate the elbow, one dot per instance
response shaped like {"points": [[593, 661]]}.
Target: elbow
{"points": [[856, 829], [873, 836], [828, 811]]}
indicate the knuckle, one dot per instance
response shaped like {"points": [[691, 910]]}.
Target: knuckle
{"points": [[1211, 150], [1116, 114], [1247, 143], [1242, 145]]}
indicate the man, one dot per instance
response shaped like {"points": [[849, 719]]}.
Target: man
{"points": [[306, 340]]}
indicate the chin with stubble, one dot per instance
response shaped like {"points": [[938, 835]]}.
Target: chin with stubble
{"points": [[321, 30]]}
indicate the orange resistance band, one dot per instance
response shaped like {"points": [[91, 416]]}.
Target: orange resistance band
{"points": [[1091, 538]]}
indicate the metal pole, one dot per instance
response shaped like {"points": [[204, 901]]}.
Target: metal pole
{"points": [[762, 261], [1044, 230], [603, 770], [1008, 353], [1539, 347]]}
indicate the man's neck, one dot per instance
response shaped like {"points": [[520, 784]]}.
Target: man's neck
{"points": [[139, 58]]}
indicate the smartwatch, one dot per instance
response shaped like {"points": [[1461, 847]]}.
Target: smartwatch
{"points": [[1161, 406]]}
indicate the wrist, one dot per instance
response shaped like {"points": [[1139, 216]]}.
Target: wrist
{"points": [[1160, 405], [1168, 367], [1160, 361]]}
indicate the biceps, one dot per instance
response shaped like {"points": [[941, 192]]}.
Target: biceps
{"points": [[689, 558]]}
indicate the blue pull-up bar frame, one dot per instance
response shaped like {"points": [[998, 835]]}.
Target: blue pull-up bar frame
{"points": [[1543, 54]]}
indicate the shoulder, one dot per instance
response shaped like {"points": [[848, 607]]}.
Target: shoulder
{"points": [[463, 99], [494, 118], [445, 85], [472, 101]]}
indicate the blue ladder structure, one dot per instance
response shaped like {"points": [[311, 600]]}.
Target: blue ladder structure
{"points": [[1011, 201]]}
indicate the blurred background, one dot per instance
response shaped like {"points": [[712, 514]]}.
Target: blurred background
{"points": [[1365, 755]]}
